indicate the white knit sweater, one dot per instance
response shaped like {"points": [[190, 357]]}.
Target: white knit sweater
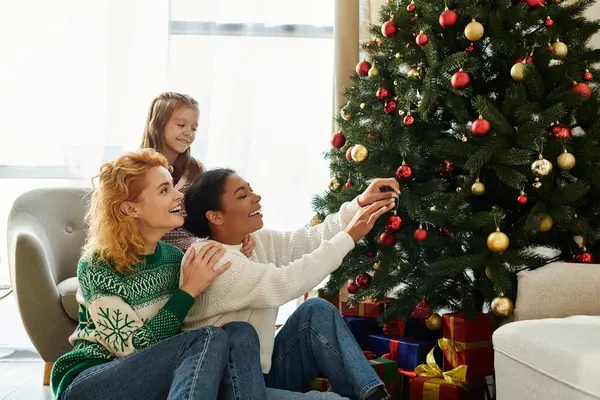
{"points": [[283, 267]]}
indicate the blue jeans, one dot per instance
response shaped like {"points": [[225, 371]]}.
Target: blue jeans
{"points": [[315, 341], [209, 363]]}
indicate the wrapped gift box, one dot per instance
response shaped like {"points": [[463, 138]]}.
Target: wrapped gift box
{"points": [[385, 369], [468, 342], [367, 309], [415, 328], [361, 328], [427, 388], [408, 353], [321, 385]]}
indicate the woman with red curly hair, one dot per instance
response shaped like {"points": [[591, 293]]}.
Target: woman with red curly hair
{"points": [[127, 344]]}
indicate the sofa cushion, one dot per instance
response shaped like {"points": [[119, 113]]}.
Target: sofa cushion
{"points": [[68, 291], [560, 354], [558, 290]]}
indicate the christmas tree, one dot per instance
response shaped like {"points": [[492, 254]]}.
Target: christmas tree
{"points": [[485, 112]]}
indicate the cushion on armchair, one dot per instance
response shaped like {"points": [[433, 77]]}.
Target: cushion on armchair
{"points": [[558, 290], [68, 291]]}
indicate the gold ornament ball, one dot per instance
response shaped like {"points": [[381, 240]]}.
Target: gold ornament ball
{"points": [[478, 188], [434, 323], [502, 306], [363, 106], [537, 184], [474, 31], [498, 241], [541, 167], [488, 273], [546, 223], [559, 50], [373, 71], [345, 114], [398, 55], [359, 153], [376, 266], [566, 161], [334, 183], [413, 74], [518, 72]]}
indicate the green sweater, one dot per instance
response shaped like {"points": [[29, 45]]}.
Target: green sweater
{"points": [[122, 313]]}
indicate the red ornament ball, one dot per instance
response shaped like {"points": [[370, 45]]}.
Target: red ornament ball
{"points": [[371, 253], [389, 29], [422, 39], [389, 106], [583, 89], [404, 173], [362, 68], [481, 127], [444, 231], [447, 168], [561, 131], [447, 18], [348, 184], [548, 22], [351, 287], [470, 48], [387, 238], [411, 7], [349, 153], [408, 120], [535, 3], [363, 280], [529, 60], [393, 223], [522, 199], [420, 235], [460, 80], [584, 257], [382, 94], [338, 140], [588, 76]]}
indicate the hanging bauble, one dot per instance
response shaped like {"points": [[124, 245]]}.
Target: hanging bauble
{"points": [[345, 113], [420, 234], [548, 22], [393, 223], [559, 50], [498, 241], [408, 120], [338, 140], [363, 280], [541, 167], [363, 106], [522, 199], [444, 231], [372, 253], [545, 224], [584, 257], [422, 39], [349, 153], [460, 80], [387, 238], [404, 173], [474, 31], [535, 3], [348, 184], [447, 168], [447, 18], [389, 29], [351, 287], [377, 266], [362, 68], [566, 161], [502, 306], [334, 183], [583, 89], [382, 94], [587, 76], [390, 106], [517, 72], [560, 131], [480, 127], [470, 48], [411, 7], [478, 188], [434, 323], [488, 273], [373, 71], [359, 153], [413, 73]]}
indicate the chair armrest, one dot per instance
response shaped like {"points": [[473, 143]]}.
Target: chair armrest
{"points": [[558, 290]]}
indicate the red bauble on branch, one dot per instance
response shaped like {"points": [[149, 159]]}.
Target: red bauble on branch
{"points": [[470, 48], [408, 120], [404, 173], [422, 39], [588, 75], [348, 184], [481, 127], [390, 106], [387, 238], [522, 199], [411, 7], [362, 68], [535, 3], [447, 18], [583, 89], [460, 80], [389, 29], [447, 168], [351, 287], [548, 22], [393, 223], [561, 131], [349, 153], [382, 94], [584, 257], [338, 140], [363, 280], [420, 234]]}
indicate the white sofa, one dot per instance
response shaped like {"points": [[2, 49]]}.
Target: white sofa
{"points": [[552, 350]]}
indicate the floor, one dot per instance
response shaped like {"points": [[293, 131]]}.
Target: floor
{"points": [[23, 381]]}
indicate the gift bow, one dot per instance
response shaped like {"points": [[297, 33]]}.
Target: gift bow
{"points": [[453, 347], [457, 376]]}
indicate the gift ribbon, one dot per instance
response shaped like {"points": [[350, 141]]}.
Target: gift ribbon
{"points": [[361, 309], [452, 347], [431, 388]]}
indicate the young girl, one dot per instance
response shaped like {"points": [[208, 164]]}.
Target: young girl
{"points": [[132, 306], [315, 339], [170, 130]]}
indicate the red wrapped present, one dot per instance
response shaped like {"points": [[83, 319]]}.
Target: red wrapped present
{"points": [[321, 385], [367, 309], [385, 369], [468, 342]]}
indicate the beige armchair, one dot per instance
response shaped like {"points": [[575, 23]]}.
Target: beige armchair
{"points": [[45, 235]]}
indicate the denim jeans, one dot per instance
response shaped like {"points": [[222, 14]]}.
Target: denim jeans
{"points": [[315, 341], [209, 363]]}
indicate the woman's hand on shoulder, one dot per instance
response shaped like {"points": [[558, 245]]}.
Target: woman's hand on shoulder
{"points": [[248, 245], [198, 269]]}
